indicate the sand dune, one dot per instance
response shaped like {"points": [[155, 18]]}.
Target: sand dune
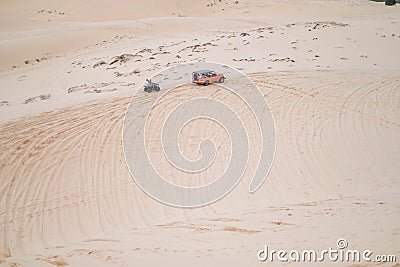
{"points": [[327, 69], [121, 61], [65, 180]]}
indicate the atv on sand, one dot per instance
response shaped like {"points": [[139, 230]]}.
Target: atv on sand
{"points": [[151, 87]]}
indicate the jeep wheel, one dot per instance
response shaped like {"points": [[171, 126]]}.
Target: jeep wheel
{"points": [[206, 83], [221, 80]]}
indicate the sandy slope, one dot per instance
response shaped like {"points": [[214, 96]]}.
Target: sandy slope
{"points": [[66, 180], [65, 76], [327, 69]]}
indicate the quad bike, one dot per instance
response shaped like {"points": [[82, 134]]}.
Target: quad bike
{"points": [[152, 87]]}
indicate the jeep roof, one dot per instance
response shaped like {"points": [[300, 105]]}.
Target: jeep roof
{"points": [[203, 71]]}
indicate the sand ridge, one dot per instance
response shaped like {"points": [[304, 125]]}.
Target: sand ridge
{"points": [[117, 66], [328, 70]]}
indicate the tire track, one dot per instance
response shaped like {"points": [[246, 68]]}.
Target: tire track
{"points": [[64, 175]]}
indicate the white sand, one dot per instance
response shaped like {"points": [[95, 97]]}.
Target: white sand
{"points": [[328, 69]]}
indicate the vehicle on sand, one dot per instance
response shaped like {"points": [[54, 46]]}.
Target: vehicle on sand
{"points": [[205, 77], [151, 87]]}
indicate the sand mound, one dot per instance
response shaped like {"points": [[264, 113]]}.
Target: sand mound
{"points": [[328, 70], [64, 179]]}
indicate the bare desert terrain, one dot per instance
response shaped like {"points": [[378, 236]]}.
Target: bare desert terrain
{"points": [[329, 71]]}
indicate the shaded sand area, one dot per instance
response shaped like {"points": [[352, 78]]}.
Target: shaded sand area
{"points": [[329, 71]]}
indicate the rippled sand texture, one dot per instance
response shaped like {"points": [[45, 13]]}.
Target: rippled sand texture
{"points": [[329, 71], [67, 196]]}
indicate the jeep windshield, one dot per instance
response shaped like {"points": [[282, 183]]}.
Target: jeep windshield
{"points": [[197, 75]]}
